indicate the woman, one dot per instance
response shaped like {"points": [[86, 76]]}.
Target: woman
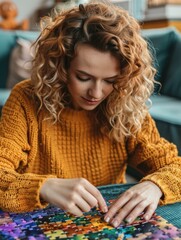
{"points": [[83, 117]]}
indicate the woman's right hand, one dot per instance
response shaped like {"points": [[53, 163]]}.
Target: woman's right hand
{"points": [[75, 196]]}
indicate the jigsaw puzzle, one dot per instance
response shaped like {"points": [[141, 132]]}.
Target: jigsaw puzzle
{"points": [[52, 223]]}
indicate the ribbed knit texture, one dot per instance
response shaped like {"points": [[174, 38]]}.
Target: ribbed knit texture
{"points": [[33, 149]]}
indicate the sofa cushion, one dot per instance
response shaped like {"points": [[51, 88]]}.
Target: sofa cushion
{"points": [[161, 42], [165, 45], [167, 115], [7, 43], [172, 82], [20, 62]]}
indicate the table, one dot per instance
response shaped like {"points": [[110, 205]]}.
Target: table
{"points": [[52, 223]]}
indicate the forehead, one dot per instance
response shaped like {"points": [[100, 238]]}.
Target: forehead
{"points": [[94, 61]]}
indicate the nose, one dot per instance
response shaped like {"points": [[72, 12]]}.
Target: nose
{"points": [[95, 91]]}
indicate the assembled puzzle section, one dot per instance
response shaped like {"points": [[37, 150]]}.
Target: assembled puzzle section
{"points": [[53, 224]]}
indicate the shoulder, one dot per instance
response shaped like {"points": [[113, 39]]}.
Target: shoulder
{"points": [[148, 123], [24, 86], [22, 96], [148, 131], [23, 91]]}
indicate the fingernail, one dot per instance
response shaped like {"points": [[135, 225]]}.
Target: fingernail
{"points": [[107, 219], [146, 217], [105, 209], [128, 220], [115, 223]]}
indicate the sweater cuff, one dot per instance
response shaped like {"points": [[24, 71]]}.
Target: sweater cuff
{"points": [[158, 179], [41, 203], [26, 196]]}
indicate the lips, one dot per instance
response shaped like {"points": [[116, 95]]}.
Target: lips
{"points": [[91, 101]]}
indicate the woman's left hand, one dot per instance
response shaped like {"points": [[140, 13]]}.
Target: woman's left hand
{"points": [[143, 197]]}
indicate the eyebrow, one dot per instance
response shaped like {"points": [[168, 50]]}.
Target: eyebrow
{"points": [[83, 72]]}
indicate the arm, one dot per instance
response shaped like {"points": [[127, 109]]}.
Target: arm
{"points": [[19, 191], [158, 161]]}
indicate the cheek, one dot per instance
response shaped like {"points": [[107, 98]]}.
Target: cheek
{"points": [[75, 87], [109, 90]]}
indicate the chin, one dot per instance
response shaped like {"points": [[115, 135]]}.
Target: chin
{"points": [[88, 108]]}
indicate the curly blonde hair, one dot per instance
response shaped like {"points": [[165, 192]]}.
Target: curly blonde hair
{"points": [[107, 28]]}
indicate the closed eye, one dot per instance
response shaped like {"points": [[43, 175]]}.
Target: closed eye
{"points": [[110, 81], [82, 78]]}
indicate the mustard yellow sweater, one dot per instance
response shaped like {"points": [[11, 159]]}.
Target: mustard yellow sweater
{"points": [[32, 150]]}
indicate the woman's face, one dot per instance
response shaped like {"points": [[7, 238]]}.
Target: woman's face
{"points": [[91, 77]]}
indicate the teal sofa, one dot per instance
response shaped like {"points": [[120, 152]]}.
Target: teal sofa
{"points": [[165, 45]]}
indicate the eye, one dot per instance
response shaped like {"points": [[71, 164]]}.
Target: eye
{"points": [[111, 81], [83, 79]]}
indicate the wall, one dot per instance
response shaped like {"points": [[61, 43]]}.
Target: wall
{"points": [[27, 10], [135, 7]]}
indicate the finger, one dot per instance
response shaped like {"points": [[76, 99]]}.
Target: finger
{"points": [[67, 206], [82, 204], [119, 204], [98, 196], [134, 213], [127, 213], [89, 198], [75, 210], [149, 211]]}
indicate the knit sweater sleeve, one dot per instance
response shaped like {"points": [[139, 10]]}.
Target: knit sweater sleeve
{"points": [[157, 159], [19, 191]]}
